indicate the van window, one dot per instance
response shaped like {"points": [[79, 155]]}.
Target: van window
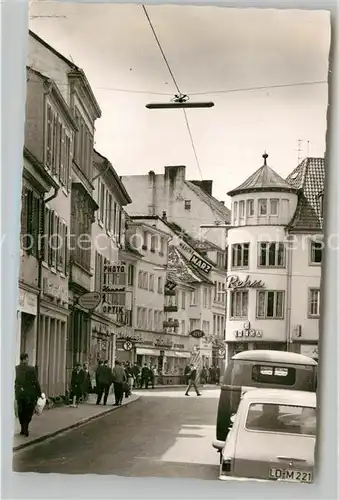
{"points": [[263, 374]]}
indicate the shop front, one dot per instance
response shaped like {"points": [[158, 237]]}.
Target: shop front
{"points": [[102, 342], [26, 325]]}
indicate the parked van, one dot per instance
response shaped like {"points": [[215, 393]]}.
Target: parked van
{"points": [[261, 369]]}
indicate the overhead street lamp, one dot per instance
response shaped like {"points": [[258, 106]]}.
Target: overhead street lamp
{"points": [[180, 101]]}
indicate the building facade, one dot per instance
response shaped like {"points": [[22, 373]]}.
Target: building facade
{"points": [[272, 280], [187, 203], [108, 237], [49, 129]]}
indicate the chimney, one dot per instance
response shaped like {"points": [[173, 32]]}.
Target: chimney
{"points": [[206, 186], [175, 174], [164, 216], [222, 202]]}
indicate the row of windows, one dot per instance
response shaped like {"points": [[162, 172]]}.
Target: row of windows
{"points": [[146, 281], [58, 148], [270, 304], [265, 207], [153, 242], [270, 254], [83, 146], [218, 324], [149, 319], [42, 230], [110, 212]]}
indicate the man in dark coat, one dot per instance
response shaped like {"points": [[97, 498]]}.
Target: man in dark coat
{"points": [[27, 392], [119, 378], [145, 376], [77, 384], [103, 377], [192, 376]]}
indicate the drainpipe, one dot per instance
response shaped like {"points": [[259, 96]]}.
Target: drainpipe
{"points": [[288, 294], [40, 260]]}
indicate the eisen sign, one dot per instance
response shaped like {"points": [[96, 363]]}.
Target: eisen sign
{"points": [[234, 281]]}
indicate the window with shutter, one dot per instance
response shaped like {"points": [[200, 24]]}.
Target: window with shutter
{"points": [[55, 143], [41, 239], [46, 236], [62, 155], [114, 218], [24, 214], [102, 201], [50, 239], [49, 135], [119, 225], [66, 247]]}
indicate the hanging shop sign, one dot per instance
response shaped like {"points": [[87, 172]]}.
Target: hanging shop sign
{"points": [[169, 286], [233, 281], [222, 352], [195, 259], [89, 300], [197, 334], [114, 290], [127, 346]]}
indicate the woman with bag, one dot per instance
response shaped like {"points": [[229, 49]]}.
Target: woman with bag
{"points": [[77, 383]]}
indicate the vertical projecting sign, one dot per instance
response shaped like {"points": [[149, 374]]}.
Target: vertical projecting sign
{"points": [[114, 290]]}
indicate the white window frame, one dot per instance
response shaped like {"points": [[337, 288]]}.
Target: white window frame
{"points": [[276, 253], [241, 209], [275, 200], [193, 298], [234, 295], [250, 208], [275, 298], [311, 293], [312, 252], [261, 203], [241, 266]]}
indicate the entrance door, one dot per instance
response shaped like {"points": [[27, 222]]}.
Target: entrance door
{"points": [[27, 337]]}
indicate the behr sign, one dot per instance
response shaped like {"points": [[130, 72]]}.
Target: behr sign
{"points": [[197, 334], [89, 300], [234, 281]]}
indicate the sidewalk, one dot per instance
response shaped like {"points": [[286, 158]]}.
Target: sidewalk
{"points": [[57, 420]]}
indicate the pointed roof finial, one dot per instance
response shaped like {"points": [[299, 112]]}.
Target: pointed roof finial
{"points": [[265, 156]]}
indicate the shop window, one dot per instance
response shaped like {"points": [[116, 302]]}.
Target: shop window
{"points": [[270, 305], [271, 255]]}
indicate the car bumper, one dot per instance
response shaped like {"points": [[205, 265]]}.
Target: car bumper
{"points": [[235, 478]]}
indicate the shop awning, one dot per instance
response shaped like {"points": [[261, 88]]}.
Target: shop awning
{"points": [[177, 354], [148, 352]]}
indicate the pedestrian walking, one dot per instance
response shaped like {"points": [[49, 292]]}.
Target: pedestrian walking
{"points": [[152, 375], [119, 378], [217, 375], [192, 376], [27, 391], [136, 374], [77, 384], [103, 376], [145, 376], [130, 377], [204, 375], [186, 372], [87, 387]]}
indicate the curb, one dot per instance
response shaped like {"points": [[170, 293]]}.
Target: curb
{"points": [[69, 427]]}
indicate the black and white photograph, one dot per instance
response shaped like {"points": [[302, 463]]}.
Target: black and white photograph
{"points": [[171, 242]]}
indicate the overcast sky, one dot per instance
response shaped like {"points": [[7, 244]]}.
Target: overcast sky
{"points": [[209, 49]]}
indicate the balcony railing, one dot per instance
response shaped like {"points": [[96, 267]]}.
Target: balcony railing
{"points": [[171, 324], [170, 308]]}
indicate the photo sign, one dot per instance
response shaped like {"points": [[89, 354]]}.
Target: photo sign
{"points": [[114, 290]]}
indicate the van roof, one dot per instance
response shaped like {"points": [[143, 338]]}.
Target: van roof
{"points": [[281, 396], [275, 357]]}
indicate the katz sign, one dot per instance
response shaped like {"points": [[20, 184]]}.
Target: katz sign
{"points": [[234, 281]]}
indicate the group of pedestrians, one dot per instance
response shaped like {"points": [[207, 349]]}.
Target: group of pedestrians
{"points": [[81, 385], [105, 377], [210, 375], [140, 377]]}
